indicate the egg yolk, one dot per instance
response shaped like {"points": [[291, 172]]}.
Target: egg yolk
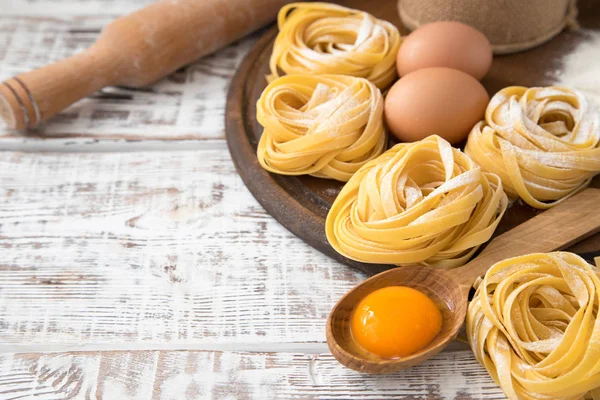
{"points": [[395, 321]]}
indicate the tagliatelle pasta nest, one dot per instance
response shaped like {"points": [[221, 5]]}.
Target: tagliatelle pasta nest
{"points": [[322, 125], [533, 323], [322, 38], [544, 143], [422, 202]]}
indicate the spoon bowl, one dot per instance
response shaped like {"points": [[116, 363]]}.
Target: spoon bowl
{"points": [[557, 228], [438, 285]]}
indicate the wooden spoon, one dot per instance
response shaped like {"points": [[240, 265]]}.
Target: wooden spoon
{"points": [[557, 228]]}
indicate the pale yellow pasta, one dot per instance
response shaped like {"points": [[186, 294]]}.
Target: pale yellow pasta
{"points": [[422, 202], [543, 142], [323, 38], [533, 323], [322, 125]]}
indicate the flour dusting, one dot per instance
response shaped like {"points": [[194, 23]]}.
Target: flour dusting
{"points": [[581, 67]]}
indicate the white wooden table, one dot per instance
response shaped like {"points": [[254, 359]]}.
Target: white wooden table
{"points": [[134, 263]]}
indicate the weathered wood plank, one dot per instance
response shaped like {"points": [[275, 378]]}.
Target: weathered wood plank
{"points": [[226, 375], [187, 105], [59, 8], [151, 248]]}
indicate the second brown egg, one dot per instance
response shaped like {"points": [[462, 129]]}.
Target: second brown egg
{"points": [[440, 101]]}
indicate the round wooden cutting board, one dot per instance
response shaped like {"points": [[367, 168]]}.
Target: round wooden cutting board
{"points": [[301, 203]]}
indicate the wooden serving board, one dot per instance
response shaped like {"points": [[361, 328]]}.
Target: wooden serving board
{"points": [[301, 203]]}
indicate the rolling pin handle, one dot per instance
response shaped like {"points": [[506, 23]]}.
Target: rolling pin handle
{"points": [[33, 97], [18, 106]]}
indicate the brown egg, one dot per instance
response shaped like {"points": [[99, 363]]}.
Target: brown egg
{"points": [[440, 101], [446, 44]]}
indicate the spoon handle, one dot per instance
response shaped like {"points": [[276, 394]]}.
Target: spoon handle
{"points": [[558, 228]]}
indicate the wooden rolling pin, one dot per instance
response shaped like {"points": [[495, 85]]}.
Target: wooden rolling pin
{"points": [[134, 51]]}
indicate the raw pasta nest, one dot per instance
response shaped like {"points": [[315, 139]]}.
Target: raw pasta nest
{"points": [[534, 325], [542, 142], [422, 202], [323, 125], [322, 38]]}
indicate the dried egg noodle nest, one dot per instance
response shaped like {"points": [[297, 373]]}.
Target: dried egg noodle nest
{"points": [[542, 142], [323, 125], [533, 323], [322, 38], [422, 202]]}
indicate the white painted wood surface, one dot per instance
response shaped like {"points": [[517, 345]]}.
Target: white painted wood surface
{"points": [[143, 248], [162, 375], [145, 269], [76, 8]]}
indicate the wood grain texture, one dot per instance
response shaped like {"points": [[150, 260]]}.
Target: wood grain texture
{"points": [[59, 8], [189, 104], [160, 375], [151, 248]]}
